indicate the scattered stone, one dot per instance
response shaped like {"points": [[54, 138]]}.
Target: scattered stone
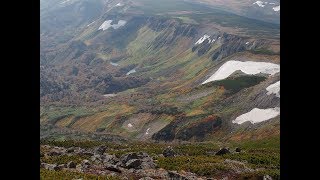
{"points": [[238, 149], [267, 177], [112, 159], [48, 166], [112, 167], [88, 153], [79, 168], [125, 158], [96, 158], [55, 152], [100, 150], [223, 151], [175, 175], [133, 163], [59, 167], [71, 164], [169, 152], [86, 162], [70, 150]]}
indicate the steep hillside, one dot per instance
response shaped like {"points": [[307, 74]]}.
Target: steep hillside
{"points": [[147, 70]]}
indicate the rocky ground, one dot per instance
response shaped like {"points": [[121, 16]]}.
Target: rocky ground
{"points": [[133, 165]]}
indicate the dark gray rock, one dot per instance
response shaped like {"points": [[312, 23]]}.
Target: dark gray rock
{"points": [[71, 164], [238, 149], [127, 157], [169, 152], [223, 151], [112, 159], [133, 163], [113, 168], [55, 152], [100, 150], [176, 176], [86, 162], [59, 167], [140, 160], [70, 150]]}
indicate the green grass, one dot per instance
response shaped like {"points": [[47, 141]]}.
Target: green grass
{"points": [[64, 159], [193, 157], [235, 84], [67, 175], [54, 114]]}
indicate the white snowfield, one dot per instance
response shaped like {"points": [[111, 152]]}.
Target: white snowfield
{"points": [[260, 3], [203, 38], [130, 125], [257, 115], [247, 67], [131, 71], [277, 8], [274, 89], [107, 24]]}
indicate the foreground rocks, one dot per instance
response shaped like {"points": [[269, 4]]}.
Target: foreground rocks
{"points": [[135, 165]]}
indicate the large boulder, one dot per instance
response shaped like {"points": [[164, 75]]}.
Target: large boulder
{"points": [[125, 158], [133, 163], [112, 159], [223, 151], [140, 160], [169, 152]]}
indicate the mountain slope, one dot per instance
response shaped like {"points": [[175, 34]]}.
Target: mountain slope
{"points": [[131, 70]]}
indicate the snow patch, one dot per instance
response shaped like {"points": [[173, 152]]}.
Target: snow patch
{"points": [[63, 2], [114, 64], [119, 4], [257, 115], [147, 132], [130, 125], [107, 24], [272, 3], [203, 38], [277, 8], [274, 89], [260, 3], [109, 95], [131, 71], [248, 67], [247, 43]]}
